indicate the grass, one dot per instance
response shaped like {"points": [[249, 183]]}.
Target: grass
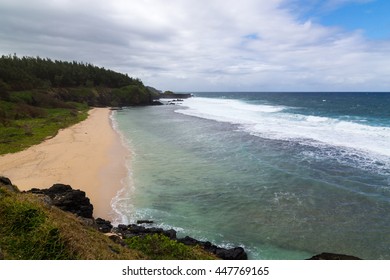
{"points": [[160, 247], [31, 229], [21, 133]]}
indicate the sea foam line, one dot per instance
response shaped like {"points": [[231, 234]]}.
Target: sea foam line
{"points": [[120, 204], [275, 122]]}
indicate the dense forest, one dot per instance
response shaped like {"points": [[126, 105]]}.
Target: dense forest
{"points": [[30, 72], [39, 96], [70, 81]]}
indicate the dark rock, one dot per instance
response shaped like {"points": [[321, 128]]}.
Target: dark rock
{"points": [[128, 231], [103, 225], [122, 227], [132, 230], [144, 222], [136, 230], [332, 256], [156, 103], [67, 199], [60, 188], [171, 233], [188, 241], [236, 253], [5, 181], [175, 95]]}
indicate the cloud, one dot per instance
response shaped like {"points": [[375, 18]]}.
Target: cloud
{"points": [[198, 45]]}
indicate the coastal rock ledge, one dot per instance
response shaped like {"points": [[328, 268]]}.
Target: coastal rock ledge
{"points": [[128, 231], [68, 199]]}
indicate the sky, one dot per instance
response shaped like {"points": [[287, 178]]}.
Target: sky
{"points": [[212, 45]]}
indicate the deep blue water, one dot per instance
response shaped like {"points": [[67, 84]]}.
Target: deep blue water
{"points": [[286, 175]]}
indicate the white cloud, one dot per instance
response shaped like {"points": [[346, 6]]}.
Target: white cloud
{"points": [[198, 45]]}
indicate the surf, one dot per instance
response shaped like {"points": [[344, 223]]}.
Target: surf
{"points": [[367, 142]]}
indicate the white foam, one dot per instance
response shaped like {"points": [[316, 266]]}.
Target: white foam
{"points": [[274, 122], [226, 110], [121, 204]]}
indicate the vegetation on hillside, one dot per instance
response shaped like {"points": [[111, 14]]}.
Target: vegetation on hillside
{"points": [[160, 247], [31, 228], [40, 96], [34, 72], [69, 82]]}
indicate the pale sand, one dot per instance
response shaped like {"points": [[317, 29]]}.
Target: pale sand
{"points": [[88, 156]]}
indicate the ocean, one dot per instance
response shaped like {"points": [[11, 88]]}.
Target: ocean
{"points": [[284, 175]]}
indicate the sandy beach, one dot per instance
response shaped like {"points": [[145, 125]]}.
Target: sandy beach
{"points": [[88, 156]]}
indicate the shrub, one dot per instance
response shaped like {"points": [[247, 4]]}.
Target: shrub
{"points": [[160, 247]]}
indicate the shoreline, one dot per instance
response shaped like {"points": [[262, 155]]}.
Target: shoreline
{"points": [[88, 156]]}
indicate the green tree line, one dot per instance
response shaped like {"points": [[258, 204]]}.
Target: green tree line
{"points": [[39, 96], [46, 83], [34, 72]]}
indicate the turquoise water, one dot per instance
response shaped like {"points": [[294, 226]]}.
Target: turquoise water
{"points": [[285, 175]]}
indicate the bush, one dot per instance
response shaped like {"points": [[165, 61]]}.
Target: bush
{"points": [[160, 247]]}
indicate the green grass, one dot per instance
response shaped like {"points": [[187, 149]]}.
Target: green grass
{"points": [[30, 229], [22, 96], [19, 134], [25, 232], [160, 247], [33, 230]]}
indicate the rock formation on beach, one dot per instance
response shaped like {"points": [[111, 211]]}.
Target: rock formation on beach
{"points": [[332, 256], [236, 253], [68, 199]]}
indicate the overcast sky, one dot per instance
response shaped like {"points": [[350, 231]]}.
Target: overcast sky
{"points": [[212, 45]]}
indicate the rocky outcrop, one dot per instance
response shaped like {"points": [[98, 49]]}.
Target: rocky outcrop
{"points": [[156, 103], [68, 199], [237, 253], [172, 95], [103, 225], [128, 231], [6, 183], [332, 256], [144, 222]]}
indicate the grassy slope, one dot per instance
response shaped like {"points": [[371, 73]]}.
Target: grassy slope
{"points": [[32, 229]]}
